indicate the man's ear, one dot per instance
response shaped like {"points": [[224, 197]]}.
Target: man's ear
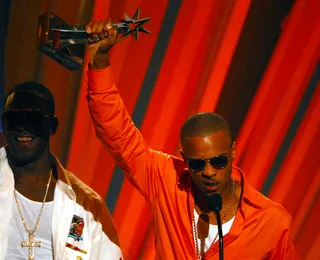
{"points": [[184, 159], [233, 150], [54, 123]]}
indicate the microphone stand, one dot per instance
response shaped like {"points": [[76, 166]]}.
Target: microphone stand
{"points": [[215, 204], [220, 234]]}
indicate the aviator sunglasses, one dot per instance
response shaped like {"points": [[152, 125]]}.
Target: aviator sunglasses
{"points": [[219, 163], [29, 116]]}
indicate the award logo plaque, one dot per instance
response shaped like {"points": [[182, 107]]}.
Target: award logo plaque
{"points": [[66, 43]]}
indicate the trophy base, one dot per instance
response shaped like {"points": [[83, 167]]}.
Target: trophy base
{"points": [[50, 42], [64, 59]]}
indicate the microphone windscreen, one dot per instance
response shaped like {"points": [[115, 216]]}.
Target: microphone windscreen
{"points": [[215, 202]]}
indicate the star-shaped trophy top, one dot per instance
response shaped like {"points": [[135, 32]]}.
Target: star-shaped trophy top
{"points": [[131, 25]]}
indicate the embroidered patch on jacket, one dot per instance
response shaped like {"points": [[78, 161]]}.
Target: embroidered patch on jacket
{"points": [[76, 228]]}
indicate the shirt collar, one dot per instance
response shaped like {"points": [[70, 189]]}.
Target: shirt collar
{"points": [[249, 195]]}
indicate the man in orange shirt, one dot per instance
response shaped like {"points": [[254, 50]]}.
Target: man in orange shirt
{"points": [[254, 227]]}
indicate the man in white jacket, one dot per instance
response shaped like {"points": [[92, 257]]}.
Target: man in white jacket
{"points": [[46, 212]]}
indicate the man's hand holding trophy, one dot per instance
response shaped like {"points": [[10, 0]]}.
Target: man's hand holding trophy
{"points": [[66, 43]]}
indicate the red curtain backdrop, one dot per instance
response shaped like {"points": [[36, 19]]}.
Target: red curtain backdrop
{"points": [[182, 68]]}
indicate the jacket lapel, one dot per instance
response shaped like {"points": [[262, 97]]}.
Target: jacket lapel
{"points": [[63, 210], [64, 207]]}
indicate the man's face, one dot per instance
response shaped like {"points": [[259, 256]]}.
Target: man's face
{"points": [[209, 159], [26, 126]]}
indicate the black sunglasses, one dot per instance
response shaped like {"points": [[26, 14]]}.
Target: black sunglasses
{"points": [[27, 116], [219, 163]]}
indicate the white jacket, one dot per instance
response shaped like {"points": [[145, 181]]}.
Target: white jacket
{"points": [[72, 198]]}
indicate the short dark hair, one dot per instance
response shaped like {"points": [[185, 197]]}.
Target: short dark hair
{"points": [[203, 124], [36, 88]]}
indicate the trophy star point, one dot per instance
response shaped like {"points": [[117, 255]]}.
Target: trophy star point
{"points": [[132, 25], [127, 18], [136, 14]]}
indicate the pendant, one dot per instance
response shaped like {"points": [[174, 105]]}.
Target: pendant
{"points": [[31, 244]]}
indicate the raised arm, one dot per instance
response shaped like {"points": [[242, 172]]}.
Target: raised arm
{"points": [[113, 125]]}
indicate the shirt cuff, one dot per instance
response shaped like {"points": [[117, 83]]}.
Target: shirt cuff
{"points": [[99, 80]]}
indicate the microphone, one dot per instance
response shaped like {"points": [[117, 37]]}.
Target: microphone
{"points": [[215, 204]]}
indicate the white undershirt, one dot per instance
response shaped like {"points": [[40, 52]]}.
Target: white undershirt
{"points": [[30, 211], [213, 231]]}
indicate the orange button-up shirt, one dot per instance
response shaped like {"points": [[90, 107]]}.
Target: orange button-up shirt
{"points": [[261, 229]]}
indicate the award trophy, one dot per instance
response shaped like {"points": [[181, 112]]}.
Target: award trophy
{"points": [[66, 43]]}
